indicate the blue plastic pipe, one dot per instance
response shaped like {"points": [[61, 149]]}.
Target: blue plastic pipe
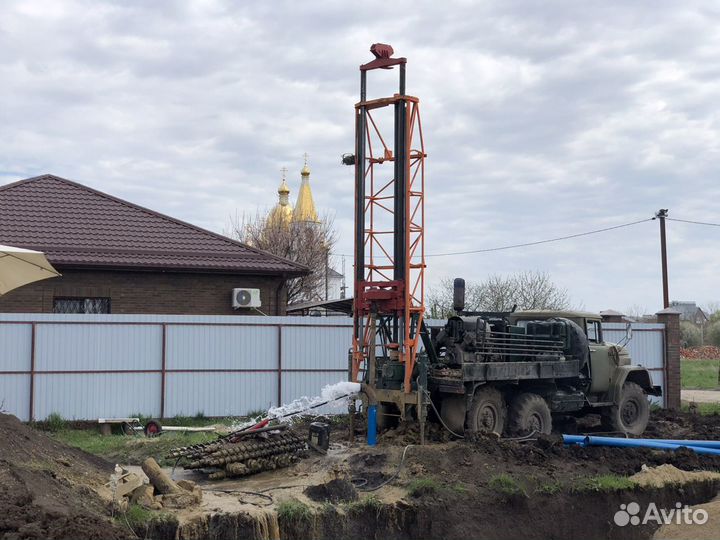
{"points": [[580, 439], [372, 425], [637, 443], [690, 442]]}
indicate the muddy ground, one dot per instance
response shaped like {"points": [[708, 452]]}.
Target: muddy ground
{"points": [[48, 490], [477, 488]]}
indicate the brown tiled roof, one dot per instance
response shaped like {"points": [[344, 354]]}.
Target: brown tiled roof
{"points": [[77, 226]]}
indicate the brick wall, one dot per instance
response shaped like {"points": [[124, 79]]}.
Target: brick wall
{"points": [[148, 292], [671, 319]]}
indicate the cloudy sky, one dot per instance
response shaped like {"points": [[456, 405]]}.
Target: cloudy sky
{"points": [[541, 119]]}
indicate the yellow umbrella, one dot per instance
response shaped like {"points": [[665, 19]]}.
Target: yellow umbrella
{"points": [[20, 266]]}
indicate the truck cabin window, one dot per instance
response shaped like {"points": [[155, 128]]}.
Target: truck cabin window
{"points": [[594, 333]]}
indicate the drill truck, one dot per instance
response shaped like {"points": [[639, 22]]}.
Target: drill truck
{"points": [[512, 372], [495, 372]]}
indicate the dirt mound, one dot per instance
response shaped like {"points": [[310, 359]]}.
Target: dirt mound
{"points": [[680, 425], [667, 474], [335, 491], [47, 488], [706, 531]]}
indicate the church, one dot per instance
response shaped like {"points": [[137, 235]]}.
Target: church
{"points": [[304, 211]]}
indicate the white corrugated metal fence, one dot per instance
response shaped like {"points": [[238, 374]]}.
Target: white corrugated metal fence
{"points": [[92, 366]]}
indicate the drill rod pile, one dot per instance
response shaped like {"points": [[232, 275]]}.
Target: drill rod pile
{"points": [[244, 452]]}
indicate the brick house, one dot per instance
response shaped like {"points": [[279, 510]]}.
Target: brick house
{"points": [[118, 257]]}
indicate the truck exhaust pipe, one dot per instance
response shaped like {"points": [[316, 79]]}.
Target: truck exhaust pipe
{"points": [[458, 294]]}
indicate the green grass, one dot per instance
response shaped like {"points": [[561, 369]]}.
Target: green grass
{"points": [[551, 488], [699, 374], [371, 503], [129, 449], [55, 422], [422, 486], [293, 512], [138, 518], [460, 488], [505, 485], [604, 483], [703, 409]]}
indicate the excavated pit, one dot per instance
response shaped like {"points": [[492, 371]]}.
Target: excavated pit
{"points": [[551, 494], [565, 515], [477, 488]]}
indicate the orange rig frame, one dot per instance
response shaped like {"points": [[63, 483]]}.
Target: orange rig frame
{"points": [[389, 227]]}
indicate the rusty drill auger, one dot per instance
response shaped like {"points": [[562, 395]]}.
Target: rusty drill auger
{"points": [[243, 453]]}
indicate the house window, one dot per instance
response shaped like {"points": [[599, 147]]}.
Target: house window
{"points": [[81, 305]]}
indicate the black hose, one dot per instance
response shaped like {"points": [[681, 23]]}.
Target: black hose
{"points": [[440, 417], [360, 487]]}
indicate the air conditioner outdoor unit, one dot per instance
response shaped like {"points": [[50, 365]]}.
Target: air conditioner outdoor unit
{"points": [[246, 298]]}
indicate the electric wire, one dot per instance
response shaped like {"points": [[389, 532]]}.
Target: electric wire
{"points": [[535, 243], [694, 222]]}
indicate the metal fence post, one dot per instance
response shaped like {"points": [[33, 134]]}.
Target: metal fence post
{"points": [[32, 373], [279, 365], [163, 370]]}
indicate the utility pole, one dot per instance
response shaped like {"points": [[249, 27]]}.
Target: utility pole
{"points": [[661, 215]]}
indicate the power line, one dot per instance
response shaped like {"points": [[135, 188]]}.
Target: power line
{"points": [[526, 244], [694, 222], [538, 242]]}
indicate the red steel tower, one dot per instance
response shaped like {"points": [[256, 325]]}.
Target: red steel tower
{"points": [[389, 235]]}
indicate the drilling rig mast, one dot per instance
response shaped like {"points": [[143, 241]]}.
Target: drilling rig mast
{"points": [[389, 240]]}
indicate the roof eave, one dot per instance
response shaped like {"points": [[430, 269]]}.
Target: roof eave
{"points": [[287, 274]]}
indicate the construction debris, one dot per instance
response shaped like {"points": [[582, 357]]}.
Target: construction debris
{"points": [[243, 453], [159, 478], [706, 352]]}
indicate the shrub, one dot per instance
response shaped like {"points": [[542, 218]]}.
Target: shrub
{"points": [[712, 334], [690, 335]]}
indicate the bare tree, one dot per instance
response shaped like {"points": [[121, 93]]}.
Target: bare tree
{"points": [[712, 310], [636, 312], [306, 243], [527, 290]]}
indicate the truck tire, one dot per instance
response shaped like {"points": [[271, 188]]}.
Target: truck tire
{"points": [[529, 413], [487, 412], [631, 414]]}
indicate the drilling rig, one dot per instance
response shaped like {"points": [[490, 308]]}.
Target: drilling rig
{"points": [[389, 246], [480, 371]]}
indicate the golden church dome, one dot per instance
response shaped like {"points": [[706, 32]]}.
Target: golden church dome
{"points": [[282, 212], [305, 205]]}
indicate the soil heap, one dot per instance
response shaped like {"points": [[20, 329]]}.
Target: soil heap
{"points": [[47, 489]]}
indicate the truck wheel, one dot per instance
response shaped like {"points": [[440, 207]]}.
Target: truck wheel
{"points": [[530, 413], [487, 412], [632, 412]]}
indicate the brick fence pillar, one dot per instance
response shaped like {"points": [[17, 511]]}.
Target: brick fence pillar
{"points": [[670, 317]]}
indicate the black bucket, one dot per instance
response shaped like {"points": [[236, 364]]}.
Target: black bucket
{"points": [[319, 435]]}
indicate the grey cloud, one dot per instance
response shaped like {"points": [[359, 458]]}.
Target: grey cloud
{"points": [[540, 119]]}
